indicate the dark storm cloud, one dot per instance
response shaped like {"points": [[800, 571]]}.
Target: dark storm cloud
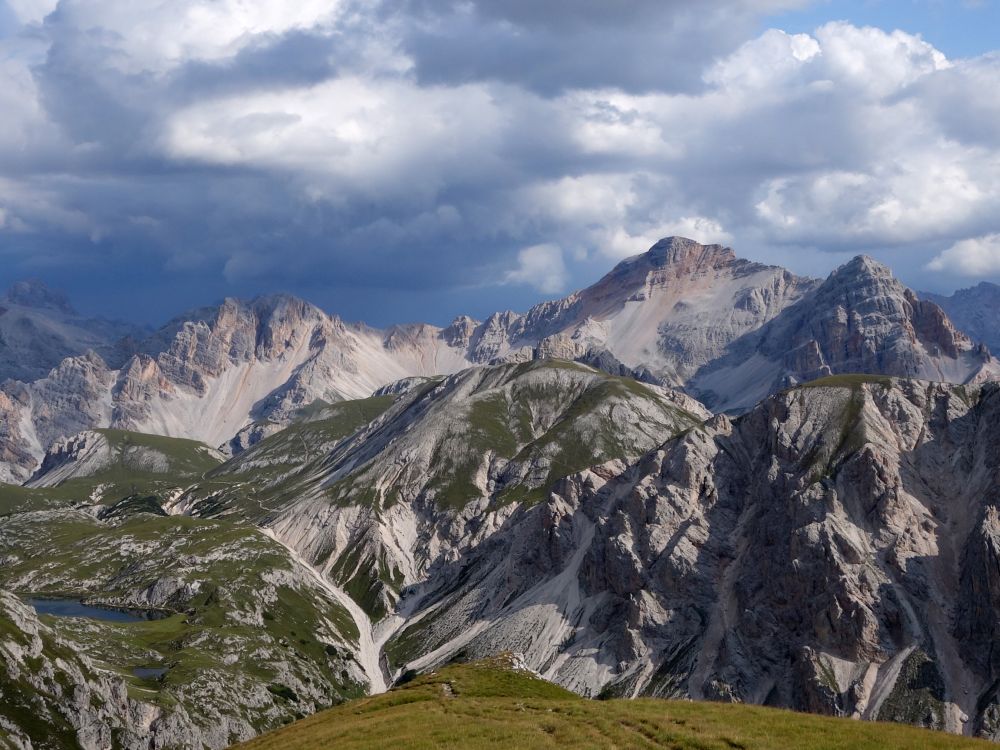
{"points": [[425, 158], [635, 45]]}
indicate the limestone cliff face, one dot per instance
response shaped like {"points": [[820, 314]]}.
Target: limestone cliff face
{"points": [[207, 376], [447, 453], [221, 367], [860, 320], [833, 550], [73, 397]]}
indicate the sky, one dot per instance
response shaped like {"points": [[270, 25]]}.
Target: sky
{"points": [[406, 160]]}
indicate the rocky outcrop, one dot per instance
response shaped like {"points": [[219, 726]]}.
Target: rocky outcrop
{"points": [[51, 695], [17, 458], [250, 637], [73, 397], [446, 454], [832, 550], [860, 320]]}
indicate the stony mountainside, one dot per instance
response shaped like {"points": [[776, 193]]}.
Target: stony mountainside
{"points": [[383, 506], [669, 310], [975, 311], [682, 314], [833, 550], [51, 696], [860, 320], [39, 329], [215, 373], [108, 518]]}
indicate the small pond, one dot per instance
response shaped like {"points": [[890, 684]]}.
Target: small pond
{"points": [[149, 673], [76, 608]]}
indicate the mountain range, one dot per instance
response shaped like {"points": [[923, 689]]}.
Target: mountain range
{"points": [[726, 330], [701, 477]]}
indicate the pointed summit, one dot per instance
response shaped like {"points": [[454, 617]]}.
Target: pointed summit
{"points": [[864, 265], [673, 257], [865, 286]]}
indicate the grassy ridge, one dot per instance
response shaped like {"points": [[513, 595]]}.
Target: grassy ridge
{"points": [[127, 473], [488, 705]]}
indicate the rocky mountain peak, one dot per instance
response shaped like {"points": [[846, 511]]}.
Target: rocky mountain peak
{"points": [[670, 258], [283, 306], [460, 332], [863, 267], [860, 320], [867, 285], [34, 293], [675, 262], [681, 251]]}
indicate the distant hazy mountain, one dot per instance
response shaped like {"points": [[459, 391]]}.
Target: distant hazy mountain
{"points": [[39, 329], [975, 311]]}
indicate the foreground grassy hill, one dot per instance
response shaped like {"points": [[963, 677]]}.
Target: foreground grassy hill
{"points": [[488, 704]]}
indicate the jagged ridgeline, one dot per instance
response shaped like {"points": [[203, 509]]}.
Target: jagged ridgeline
{"points": [[259, 510], [691, 316]]}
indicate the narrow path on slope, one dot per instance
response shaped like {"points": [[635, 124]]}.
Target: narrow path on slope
{"points": [[369, 654]]}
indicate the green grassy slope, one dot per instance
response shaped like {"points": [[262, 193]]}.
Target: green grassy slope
{"points": [[180, 463], [266, 475], [487, 705], [237, 614], [321, 428], [554, 416]]}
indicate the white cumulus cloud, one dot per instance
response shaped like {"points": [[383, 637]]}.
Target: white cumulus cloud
{"points": [[978, 256], [423, 144], [540, 266]]}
